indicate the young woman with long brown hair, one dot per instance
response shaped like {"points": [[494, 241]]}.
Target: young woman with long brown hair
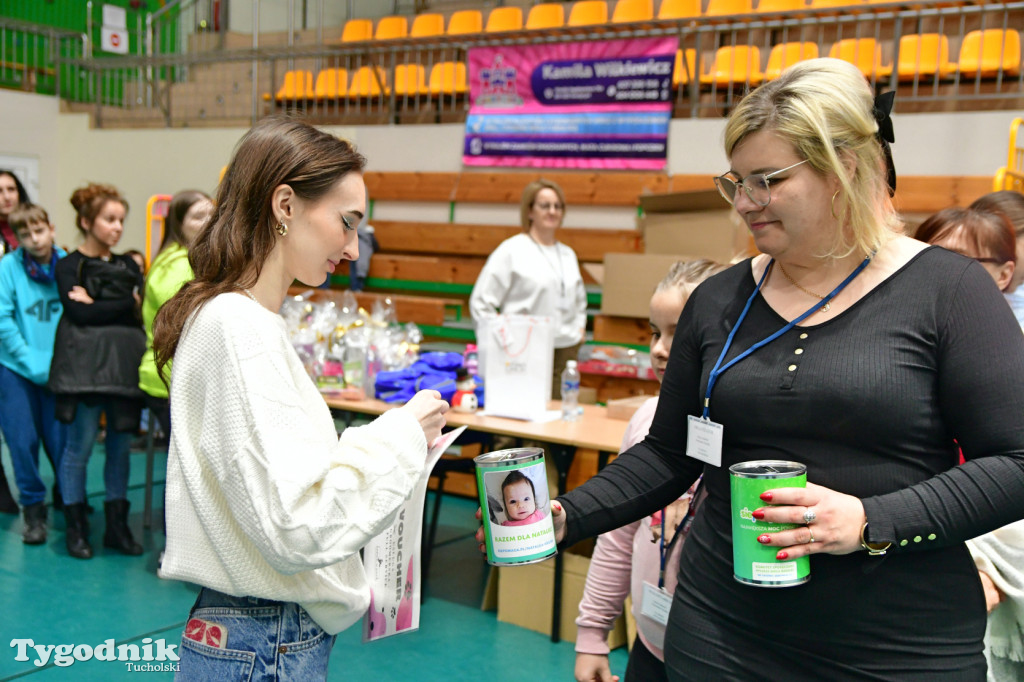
{"points": [[267, 508]]}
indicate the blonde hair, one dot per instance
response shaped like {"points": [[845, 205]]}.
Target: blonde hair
{"points": [[530, 194], [824, 109], [684, 276]]}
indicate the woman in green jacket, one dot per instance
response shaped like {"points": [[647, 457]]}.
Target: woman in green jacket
{"points": [[187, 214]]}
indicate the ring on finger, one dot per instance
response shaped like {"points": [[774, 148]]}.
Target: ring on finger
{"points": [[810, 532], [809, 515]]}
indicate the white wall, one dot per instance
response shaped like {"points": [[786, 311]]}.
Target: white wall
{"points": [[162, 161]]}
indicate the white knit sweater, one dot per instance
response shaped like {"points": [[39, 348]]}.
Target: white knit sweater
{"points": [[263, 498]]}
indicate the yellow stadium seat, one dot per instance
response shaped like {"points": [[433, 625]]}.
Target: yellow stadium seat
{"points": [[735, 66], [864, 53], [427, 25], [990, 51], [504, 19], [392, 27], [410, 80], [924, 56], [682, 74], [357, 30], [764, 6], [785, 55], [448, 78], [588, 13], [679, 9], [727, 7], [297, 85], [331, 83], [368, 81], [466, 21], [627, 11], [546, 15]]}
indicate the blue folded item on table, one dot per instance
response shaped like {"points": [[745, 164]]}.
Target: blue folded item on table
{"points": [[434, 370]]}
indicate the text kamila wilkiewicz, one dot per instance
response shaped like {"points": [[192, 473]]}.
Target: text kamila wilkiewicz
{"points": [[63, 655]]}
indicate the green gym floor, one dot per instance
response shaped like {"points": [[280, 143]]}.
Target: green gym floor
{"points": [[53, 599]]}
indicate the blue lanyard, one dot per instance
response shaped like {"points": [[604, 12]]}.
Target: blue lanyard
{"points": [[719, 369]]}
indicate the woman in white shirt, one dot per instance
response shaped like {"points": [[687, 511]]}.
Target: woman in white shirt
{"points": [[267, 508], [534, 274]]}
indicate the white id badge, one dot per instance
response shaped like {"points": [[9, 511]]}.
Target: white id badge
{"points": [[657, 603], [565, 301], [704, 440]]}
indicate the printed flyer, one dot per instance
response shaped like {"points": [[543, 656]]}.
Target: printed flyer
{"points": [[392, 560]]}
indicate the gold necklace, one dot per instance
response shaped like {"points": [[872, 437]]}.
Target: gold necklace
{"points": [[824, 308]]}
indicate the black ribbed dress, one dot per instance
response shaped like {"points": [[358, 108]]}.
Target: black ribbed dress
{"points": [[871, 401]]}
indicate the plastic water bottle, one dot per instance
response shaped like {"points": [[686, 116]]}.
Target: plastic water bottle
{"points": [[570, 392], [470, 359]]}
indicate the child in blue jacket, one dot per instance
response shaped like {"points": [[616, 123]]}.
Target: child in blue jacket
{"points": [[30, 308]]}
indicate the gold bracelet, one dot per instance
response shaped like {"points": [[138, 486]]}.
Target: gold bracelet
{"points": [[873, 548]]}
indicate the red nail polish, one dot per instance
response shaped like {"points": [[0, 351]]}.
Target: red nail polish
{"points": [[764, 539], [782, 556], [758, 514], [766, 496]]}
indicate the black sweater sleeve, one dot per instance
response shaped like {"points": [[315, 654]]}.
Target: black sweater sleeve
{"points": [[655, 471], [121, 311], [980, 389], [931, 356]]}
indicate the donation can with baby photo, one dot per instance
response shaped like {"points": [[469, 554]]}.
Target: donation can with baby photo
{"points": [[514, 497]]}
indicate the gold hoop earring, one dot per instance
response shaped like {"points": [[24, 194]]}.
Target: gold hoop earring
{"points": [[834, 205], [281, 228]]}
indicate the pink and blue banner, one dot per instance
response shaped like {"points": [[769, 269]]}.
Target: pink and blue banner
{"points": [[599, 104]]}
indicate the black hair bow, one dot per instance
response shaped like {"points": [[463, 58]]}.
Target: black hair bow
{"points": [[886, 136]]}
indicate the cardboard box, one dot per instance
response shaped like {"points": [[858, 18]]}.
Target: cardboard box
{"points": [[625, 408], [701, 223], [630, 279], [525, 595]]}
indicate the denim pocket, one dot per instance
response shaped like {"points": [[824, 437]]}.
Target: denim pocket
{"points": [[305, 660], [204, 663]]}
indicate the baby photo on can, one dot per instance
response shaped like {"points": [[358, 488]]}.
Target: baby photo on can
{"points": [[518, 508]]}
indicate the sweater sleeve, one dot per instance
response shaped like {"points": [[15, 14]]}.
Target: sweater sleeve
{"points": [[611, 566], [980, 404], [304, 497], [492, 285], [11, 336], [608, 583], [655, 471]]}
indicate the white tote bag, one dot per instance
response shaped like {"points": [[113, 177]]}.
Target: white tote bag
{"points": [[517, 352]]}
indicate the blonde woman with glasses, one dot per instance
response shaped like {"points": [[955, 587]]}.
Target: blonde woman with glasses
{"points": [[533, 273], [865, 355]]}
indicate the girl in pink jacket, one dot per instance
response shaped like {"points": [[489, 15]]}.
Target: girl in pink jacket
{"points": [[641, 559]]}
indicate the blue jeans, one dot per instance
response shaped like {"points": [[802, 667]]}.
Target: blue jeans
{"points": [[27, 416], [81, 437], [242, 639]]}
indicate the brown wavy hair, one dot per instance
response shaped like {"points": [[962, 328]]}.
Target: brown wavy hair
{"points": [[990, 233], [229, 254], [88, 201]]}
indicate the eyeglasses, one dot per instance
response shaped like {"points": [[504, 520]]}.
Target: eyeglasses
{"points": [[756, 185], [557, 208], [997, 261]]}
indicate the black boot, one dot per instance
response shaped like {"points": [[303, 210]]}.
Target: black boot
{"points": [[77, 537], [7, 503], [118, 536], [35, 524]]}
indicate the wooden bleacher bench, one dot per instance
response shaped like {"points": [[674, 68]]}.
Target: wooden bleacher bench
{"points": [[441, 260]]}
